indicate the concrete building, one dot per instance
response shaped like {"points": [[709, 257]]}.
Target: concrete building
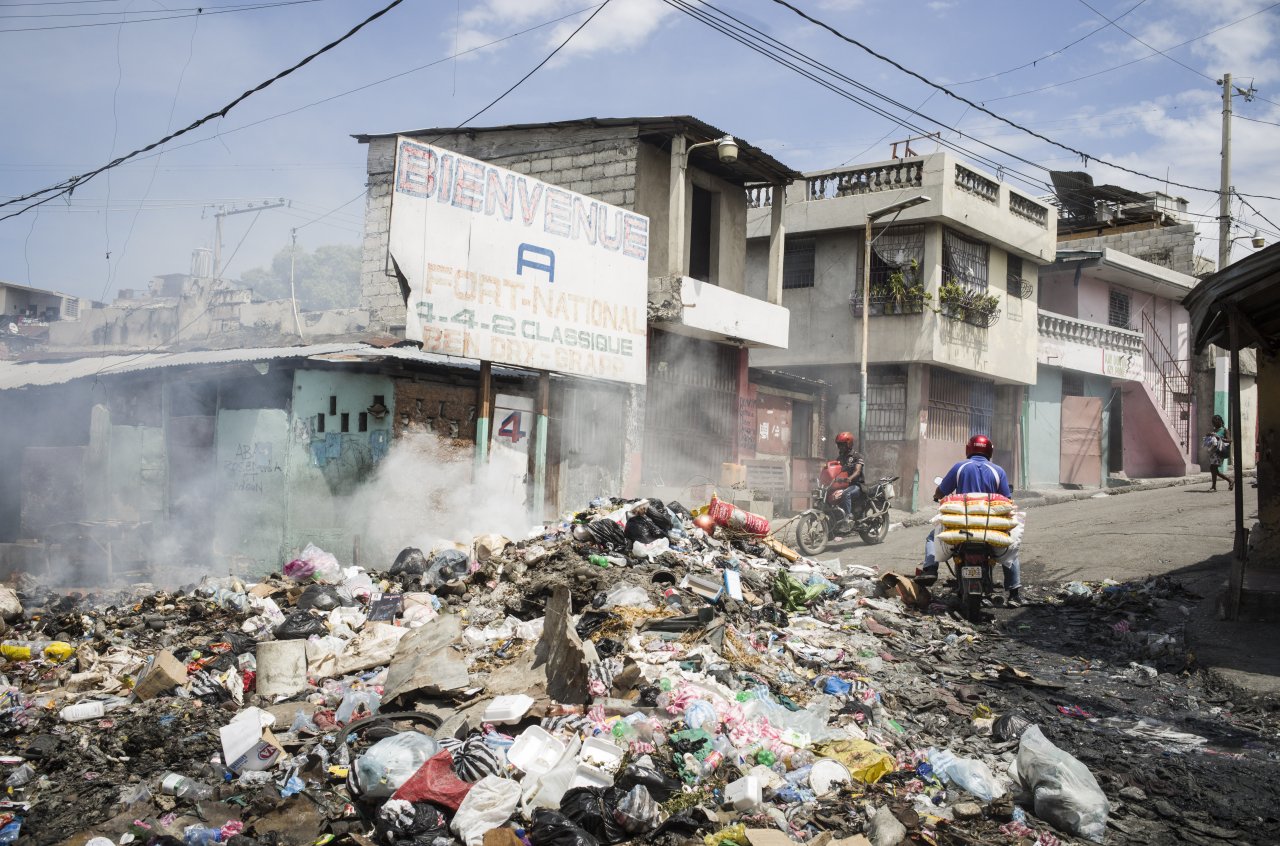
{"points": [[675, 432], [953, 324], [1113, 393], [26, 315]]}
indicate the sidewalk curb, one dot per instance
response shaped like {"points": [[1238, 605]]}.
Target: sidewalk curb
{"points": [[922, 518]]}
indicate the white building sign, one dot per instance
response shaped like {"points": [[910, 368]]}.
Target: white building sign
{"points": [[503, 267]]}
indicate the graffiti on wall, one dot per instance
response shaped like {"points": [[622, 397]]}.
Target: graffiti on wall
{"points": [[249, 466]]}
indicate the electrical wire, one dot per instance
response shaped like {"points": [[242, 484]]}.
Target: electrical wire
{"points": [[1050, 55], [173, 10], [69, 185], [243, 237], [1255, 210], [363, 191], [225, 11], [1254, 120], [1200, 74], [1086, 157]]}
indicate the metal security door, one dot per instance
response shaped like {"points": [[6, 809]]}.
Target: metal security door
{"points": [[1081, 462]]}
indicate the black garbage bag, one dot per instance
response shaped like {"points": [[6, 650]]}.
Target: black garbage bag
{"points": [[607, 533], [685, 824], [1009, 727], [404, 823], [679, 511], [642, 528], [592, 809], [410, 562], [552, 828], [593, 621], [299, 625], [657, 512], [446, 566], [660, 787], [322, 598], [240, 642]]}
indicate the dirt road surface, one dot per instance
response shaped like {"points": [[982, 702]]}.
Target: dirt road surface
{"points": [[1182, 756]]}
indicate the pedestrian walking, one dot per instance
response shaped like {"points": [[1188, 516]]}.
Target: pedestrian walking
{"points": [[1218, 443]]}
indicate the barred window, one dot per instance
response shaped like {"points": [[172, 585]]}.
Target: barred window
{"points": [[1015, 275], [798, 263], [964, 260], [960, 406], [1118, 311], [886, 403]]}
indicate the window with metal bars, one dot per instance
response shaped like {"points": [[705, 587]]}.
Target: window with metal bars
{"points": [[959, 406], [798, 263], [1118, 309], [1015, 275], [965, 260], [886, 404]]}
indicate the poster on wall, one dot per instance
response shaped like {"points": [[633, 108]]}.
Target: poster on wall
{"points": [[503, 267]]}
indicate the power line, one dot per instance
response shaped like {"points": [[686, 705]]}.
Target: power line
{"points": [[1086, 157], [1085, 3], [173, 10], [1062, 49], [206, 12], [1131, 61], [69, 185], [1255, 210], [363, 191], [1254, 120]]}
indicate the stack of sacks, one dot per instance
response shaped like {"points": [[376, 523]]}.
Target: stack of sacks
{"points": [[989, 518]]}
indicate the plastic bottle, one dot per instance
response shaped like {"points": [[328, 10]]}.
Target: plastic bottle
{"points": [[674, 601], [198, 835], [176, 784], [599, 560]]}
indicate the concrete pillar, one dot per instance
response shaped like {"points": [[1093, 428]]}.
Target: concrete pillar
{"points": [[676, 223], [777, 245], [1221, 378], [633, 418]]}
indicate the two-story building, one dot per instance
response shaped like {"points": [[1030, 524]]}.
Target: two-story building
{"points": [[689, 179], [952, 338]]}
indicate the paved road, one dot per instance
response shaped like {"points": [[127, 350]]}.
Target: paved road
{"points": [[1121, 537]]}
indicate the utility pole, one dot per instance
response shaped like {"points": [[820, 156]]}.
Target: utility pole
{"points": [[1225, 188], [293, 294], [226, 211]]}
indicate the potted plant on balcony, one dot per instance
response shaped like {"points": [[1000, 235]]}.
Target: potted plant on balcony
{"points": [[954, 299], [984, 308]]}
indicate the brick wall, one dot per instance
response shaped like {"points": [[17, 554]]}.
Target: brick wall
{"points": [[446, 410], [1168, 246], [598, 162]]}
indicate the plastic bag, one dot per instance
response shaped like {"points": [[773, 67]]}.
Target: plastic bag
{"points": [[1009, 727], [405, 824], [607, 533], [552, 828], [299, 625], [642, 529], [299, 570], [435, 782], [410, 562], [390, 762], [1063, 790], [636, 811], [593, 808], [446, 566], [322, 598], [658, 513], [969, 773], [325, 566], [658, 786], [489, 805]]}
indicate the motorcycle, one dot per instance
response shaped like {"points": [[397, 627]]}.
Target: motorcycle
{"points": [[825, 519], [972, 565]]}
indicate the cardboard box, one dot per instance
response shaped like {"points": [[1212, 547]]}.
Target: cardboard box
{"points": [[247, 743], [164, 673]]}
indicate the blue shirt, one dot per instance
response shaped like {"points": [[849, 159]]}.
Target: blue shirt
{"points": [[975, 475]]}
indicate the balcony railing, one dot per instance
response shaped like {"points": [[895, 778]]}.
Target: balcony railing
{"points": [[1028, 210], [977, 184], [908, 173], [1065, 328], [759, 196], [888, 304]]}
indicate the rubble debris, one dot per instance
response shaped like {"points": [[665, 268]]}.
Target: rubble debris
{"points": [[627, 675]]}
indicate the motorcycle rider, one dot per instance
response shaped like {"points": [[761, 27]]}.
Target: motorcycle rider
{"points": [[851, 465], [977, 474]]}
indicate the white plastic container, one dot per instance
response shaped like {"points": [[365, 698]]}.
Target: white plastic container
{"points": [[744, 794], [282, 667], [601, 753], [827, 774], [535, 751], [83, 711], [588, 776], [509, 708]]}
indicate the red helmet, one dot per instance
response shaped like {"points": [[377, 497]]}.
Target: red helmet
{"points": [[845, 439], [978, 445]]}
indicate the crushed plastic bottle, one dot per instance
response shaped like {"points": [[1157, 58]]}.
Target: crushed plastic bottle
{"points": [[176, 784]]}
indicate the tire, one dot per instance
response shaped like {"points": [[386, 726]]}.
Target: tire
{"points": [[878, 533], [811, 533]]}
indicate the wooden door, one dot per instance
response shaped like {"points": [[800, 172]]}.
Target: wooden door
{"points": [[1081, 462]]}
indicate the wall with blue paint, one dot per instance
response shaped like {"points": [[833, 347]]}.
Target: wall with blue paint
{"points": [[326, 467], [1044, 424]]}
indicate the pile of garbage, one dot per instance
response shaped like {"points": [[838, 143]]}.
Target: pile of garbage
{"points": [[637, 672]]}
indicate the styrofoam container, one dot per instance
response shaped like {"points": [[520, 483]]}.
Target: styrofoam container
{"points": [[744, 794], [535, 751], [282, 667], [601, 753], [826, 774], [509, 708], [588, 776]]}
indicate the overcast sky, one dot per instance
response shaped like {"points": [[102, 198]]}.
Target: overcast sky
{"points": [[76, 96]]}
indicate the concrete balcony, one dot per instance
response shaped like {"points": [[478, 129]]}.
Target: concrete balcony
{"points": [[961, 197], [1089, 347], [702, 310]]}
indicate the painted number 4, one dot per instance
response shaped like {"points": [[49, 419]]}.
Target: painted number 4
{"points": [[511, 428]]}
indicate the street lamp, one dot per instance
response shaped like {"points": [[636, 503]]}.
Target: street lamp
{"points": [[893, 209]]}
